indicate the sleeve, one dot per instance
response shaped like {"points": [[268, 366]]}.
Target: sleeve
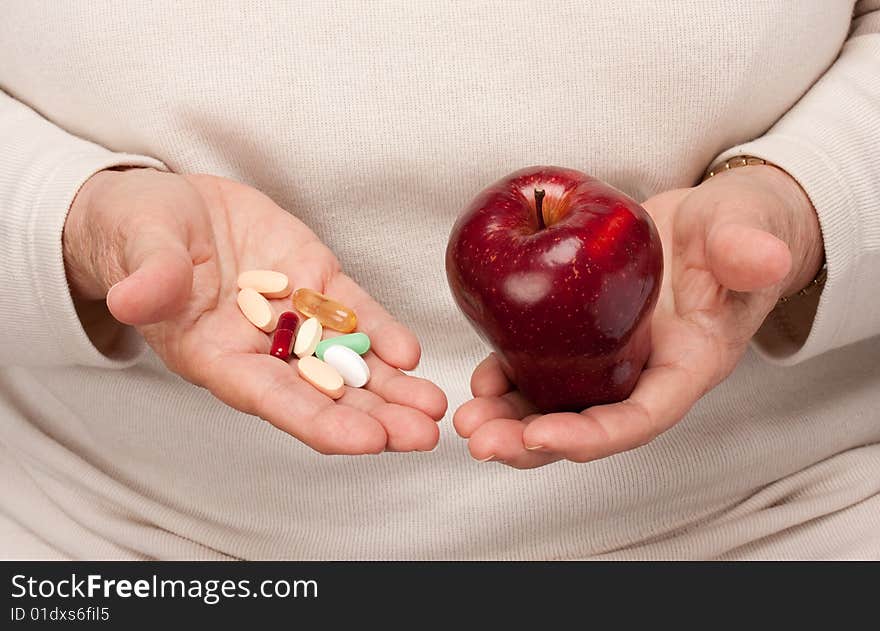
{"points": [[41, 169], [830, 143]]}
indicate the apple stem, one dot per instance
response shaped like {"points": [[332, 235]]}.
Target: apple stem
{"points": [[539, 207]]}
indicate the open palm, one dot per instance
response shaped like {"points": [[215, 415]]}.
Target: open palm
{"points": [[727, 261], [184, 242]]}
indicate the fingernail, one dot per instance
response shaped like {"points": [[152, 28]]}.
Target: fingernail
{"points": [[492, 457], [534, 447], [107, 299], [110, 291]]}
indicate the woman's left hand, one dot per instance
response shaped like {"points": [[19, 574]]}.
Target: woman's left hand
{"points": [[732, 246]]}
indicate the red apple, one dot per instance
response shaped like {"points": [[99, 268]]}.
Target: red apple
{"points": [[559, 273]]}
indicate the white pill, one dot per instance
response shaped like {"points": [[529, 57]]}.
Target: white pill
{"points": [[257, 309], [322, 376], [351, 366], [307, 338], [267, 282]]}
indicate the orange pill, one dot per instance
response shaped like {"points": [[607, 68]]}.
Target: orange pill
{"points": [[257, 309], [270, 284], [322, 376], [329, 313]]}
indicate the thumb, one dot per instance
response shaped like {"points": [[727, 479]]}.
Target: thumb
{"points": [[743, 258], [159, 281]]}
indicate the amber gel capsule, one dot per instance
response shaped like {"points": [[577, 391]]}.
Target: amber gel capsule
{"points": [[328, 312], [282, 341]]}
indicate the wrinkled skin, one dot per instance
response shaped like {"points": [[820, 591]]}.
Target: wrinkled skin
{"points": [[163, 252]]}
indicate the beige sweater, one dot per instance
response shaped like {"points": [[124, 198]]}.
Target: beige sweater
{"points": [[375, 123]]}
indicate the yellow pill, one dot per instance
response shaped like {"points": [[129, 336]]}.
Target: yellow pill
{"points": [[322, 376], [307, 338], [328, 312]]}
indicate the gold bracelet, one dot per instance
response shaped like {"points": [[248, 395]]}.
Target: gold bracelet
{"points": [[738, 161], [818, 281], [746, 161]]}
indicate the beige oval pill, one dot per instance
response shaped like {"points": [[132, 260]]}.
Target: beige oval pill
{"points": [[307, 338], [267, 282], [257, 309], [321, 375]]}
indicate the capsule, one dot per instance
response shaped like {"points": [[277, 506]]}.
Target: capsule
{"points": [[328, 312], [282, 341]]}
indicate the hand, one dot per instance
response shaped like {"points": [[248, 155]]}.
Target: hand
{"points": [[169, 248], [732, 246]]}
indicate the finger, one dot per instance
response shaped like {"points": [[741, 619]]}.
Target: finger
{"points": [[662, 397], [261, 385], [501, 440], [159, 281], [396, 387], [472, 414], [489, 379], [390, 340], [407, 429], [743, 258]]}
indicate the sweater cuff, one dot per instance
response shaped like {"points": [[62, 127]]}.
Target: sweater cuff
{"points": [[50, 287], [806, 326], [41, 324]]}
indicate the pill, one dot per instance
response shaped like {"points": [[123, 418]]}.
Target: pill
{"points": [[257, 309], [329, 312], [358, 342], [270, 284], [282, 341], [308, 337], [288, 320], [321, 375], [349, 364]]}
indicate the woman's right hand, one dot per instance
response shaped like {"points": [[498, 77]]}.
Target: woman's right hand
{"points": [[163, 252]]}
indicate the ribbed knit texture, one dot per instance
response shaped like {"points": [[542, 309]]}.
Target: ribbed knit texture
{"points": [[41, 169], [823, 143], [376, 123]]}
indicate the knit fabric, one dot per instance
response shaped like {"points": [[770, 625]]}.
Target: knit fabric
{"points": [[375, 123]]}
